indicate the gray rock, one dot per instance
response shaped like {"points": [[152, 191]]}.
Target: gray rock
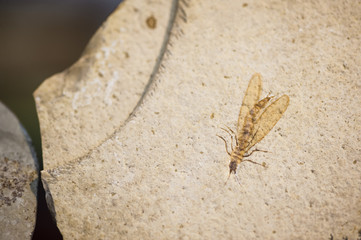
{"points": [[18, 179]]}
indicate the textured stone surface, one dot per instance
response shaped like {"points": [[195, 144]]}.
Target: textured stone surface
{"points": [[161, 174], [103, 87], [18, 179]]}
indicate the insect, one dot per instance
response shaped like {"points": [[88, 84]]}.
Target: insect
{"points": [[256, 118]]}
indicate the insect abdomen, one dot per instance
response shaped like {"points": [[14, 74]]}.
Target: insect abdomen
{"points": [[258, 106]]}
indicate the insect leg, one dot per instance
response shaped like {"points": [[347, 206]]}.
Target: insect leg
{"points": [[255, 150], [263, 164], [229, 129], [269, 95], [232, 143], [225, 143], [230, 134]]}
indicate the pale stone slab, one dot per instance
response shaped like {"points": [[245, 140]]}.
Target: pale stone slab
{"points": [[102, 88], [161, 174], [18, 179]]}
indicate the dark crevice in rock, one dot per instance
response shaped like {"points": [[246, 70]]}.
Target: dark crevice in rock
{"points": [[45, 227]]}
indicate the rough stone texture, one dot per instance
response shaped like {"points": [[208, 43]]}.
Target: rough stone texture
{"points": [[18, 179], [103, 87], [161, 173]]}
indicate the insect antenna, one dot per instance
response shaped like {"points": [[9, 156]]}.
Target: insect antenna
{"points": [[229, 175], [237, 179]]}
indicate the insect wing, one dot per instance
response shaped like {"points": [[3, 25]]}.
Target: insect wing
{"points": [[250, 98], [268, 119]]}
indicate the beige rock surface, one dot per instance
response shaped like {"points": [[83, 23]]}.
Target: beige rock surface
{"points": [[18, 180], [161, 174], [103, 87]]}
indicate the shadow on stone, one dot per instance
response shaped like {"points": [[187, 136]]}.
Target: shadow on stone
{"points": [[45, 227]]}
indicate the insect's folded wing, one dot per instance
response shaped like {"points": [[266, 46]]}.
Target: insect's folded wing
{"points": [[268, 119], [251, 97]]}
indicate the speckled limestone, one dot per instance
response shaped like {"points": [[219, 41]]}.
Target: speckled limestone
{"points": [[18, 179], [161, 174]]}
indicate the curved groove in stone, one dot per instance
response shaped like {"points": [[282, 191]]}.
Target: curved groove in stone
{"points": [[69, 98]]}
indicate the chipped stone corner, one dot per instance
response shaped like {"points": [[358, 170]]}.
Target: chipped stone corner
{"points": [[49, 199]]}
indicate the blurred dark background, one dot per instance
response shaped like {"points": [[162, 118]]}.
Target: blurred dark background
{"points": [[39, 38]]}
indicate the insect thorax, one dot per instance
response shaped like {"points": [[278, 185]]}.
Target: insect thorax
{"points": [[237, 155]]}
